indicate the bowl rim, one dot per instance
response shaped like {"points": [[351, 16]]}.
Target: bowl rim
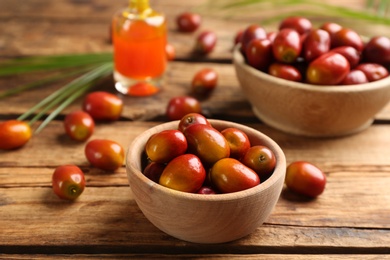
{"points": [[238, 60], [279, 172]]}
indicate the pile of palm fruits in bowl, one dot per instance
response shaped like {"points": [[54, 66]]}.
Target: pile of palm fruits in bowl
{"points": [[200, 180], [326, 55], [198, 158]]}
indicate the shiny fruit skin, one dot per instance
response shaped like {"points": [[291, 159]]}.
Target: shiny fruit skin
{"points": [[14, 134], [104, 154], [103, 106], [328, 69], [259, 53], [188, 22], [260, 159], [306, 179], [204, 81], [238, 37], [192, 119], [287, 46], [207, 143], [205, 42], [285, 71], [163, 146], [153, 171], [316, 43], [79, 125], [250, 33], [347, 37], [206, 190], [300, 24], [238, 141], [68, 182], [377, 50], [373, 71], [170, 52], [230, 175], [271, 36], [184, 173], [350, 53], [354, 77], [331, 28], [182, 105]]}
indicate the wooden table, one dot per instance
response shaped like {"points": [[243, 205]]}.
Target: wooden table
{"points": [[350, 220]]}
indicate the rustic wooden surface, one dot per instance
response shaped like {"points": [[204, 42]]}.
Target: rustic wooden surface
{"points": [[351, 220]]}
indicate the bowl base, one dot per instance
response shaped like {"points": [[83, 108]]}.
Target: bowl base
{"points": [[301, 132]]}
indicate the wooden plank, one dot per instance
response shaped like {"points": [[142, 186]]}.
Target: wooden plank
{"points": [[349, 221], [106, 219], [355, 181], [86, 23], [329, 154], [40, 150], [54, 33], [350, 198], [41, 176], [227, 98], [193, 256], [86, 9], [227, 101], [355, 178], [99, 9]]}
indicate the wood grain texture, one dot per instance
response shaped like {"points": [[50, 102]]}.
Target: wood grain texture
{"points": [[34, 25], [350, 220], [40, 29], [226, 97], [342, 205], [108, 219], [366, 151], [195, 256]]}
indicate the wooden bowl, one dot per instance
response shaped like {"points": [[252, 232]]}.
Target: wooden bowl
{"points": [[205, 218], [310, 110]]}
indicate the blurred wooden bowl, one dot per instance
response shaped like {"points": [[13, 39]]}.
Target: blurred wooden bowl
{"points": [[310, 110], [205, 218]]}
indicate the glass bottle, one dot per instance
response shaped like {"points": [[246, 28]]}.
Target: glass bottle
{"points": [[139, 38]]}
